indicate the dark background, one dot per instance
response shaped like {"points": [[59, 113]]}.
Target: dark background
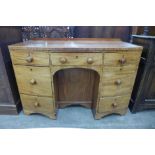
{"points": [[12, 34]]}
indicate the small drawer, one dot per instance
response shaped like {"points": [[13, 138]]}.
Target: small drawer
{"points": [[33, 80], [76, 58], [117, 85], [35, 104], [30, 58], [108, 104], [109, 71], [121, 58]]}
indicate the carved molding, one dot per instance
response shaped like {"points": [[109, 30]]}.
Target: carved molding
{"points": [[29, 32]]}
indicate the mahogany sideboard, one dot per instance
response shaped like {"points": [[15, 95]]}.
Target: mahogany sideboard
{"points": [[95, 73], [143, 96]]}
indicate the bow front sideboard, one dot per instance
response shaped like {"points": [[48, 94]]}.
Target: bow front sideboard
{"points": [[95, 73]]}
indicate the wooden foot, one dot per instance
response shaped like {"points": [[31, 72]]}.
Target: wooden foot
{"points": [[122, 111], [119, 111], [52, 115], [27, 112], [99, 115]]}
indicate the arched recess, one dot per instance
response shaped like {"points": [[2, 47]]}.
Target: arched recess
{"points": [[76, 86]]}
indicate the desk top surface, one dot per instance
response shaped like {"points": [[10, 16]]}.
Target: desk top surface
{"points": [[75, 44]]}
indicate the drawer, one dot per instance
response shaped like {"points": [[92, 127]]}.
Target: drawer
{"points": [[33, 80], [117, 85], [121, 58], [108, 104], [76, 58], [35, 104], [109, 71], [30, 58]]}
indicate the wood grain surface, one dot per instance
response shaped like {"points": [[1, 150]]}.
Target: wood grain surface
{"points": [[41, 76], [69, 45], [113, 59], [113, 103], [75, 86], [76, 59], [37, 58], [35, 104], [111, 88]]}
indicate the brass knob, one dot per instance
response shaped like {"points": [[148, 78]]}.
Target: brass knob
{"points": [[90, 60], [122, 61], [118, 82], [33, 81], [29, 59], [36, 104], [114, 105], [63, 60]]}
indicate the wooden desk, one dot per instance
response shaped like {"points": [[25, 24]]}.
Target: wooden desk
{"points": [[95, 73]]}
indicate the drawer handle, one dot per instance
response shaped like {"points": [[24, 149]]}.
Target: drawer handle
{"points": [[63, 60], [90, 60], [118, 82], [36, 104], [33, 81], [114, 105], [122, 61], [29, 59]]}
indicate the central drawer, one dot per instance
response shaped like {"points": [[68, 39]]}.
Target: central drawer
{"points": [[33, 80], [76, 58]]}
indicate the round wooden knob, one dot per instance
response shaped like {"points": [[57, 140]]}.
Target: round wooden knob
{"points": [[114, 105], [36, 104], [122, 60], [33, 81], [29, 59], [118, 82], [90, 60], [63, 60]]}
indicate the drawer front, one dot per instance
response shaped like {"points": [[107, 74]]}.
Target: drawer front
{"points": [[121, 58], [108, 104], [30, 58], [76, 58], [33, 80], [117, 85], [34, 104], [109, 71]]}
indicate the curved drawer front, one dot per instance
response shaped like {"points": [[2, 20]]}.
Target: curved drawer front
{"points": [[115, 84], [108, 104], [30, 58], [35, 104], [33, 80], [121, 58], [76, 58], [109, 71]]}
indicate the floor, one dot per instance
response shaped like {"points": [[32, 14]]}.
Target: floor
{"points": [[79, 117]]}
